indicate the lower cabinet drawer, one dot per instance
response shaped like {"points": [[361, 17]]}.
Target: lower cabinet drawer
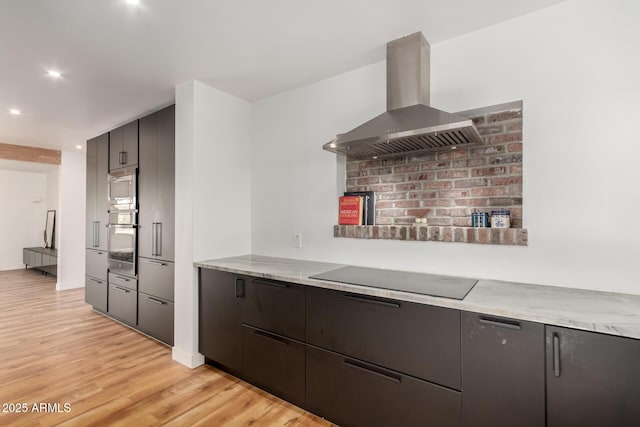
{"points": [[122, 304], [350, 392], [156, 278], [96, 264], [274, 362], [155, 317], [123, 281], [95, 293], [415, 339], [275, 306]]}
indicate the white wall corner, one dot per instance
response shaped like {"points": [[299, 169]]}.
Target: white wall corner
{"points": [[69, 285], [187, 359]]}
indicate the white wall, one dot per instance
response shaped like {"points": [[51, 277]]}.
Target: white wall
{"points": [[53, 194], [22, 215], [575, 67], [213, 178], [70, 220]]}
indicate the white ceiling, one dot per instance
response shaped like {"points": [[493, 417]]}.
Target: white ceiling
{"points": [[120, 62]]}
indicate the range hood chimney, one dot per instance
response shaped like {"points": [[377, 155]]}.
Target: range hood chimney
{"points": [[409, 125]]}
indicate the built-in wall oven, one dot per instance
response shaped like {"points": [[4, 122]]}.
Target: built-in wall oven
{"points": [[123, 222]]}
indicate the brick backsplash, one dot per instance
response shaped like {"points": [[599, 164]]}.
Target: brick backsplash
{"points": [[447, 186]]}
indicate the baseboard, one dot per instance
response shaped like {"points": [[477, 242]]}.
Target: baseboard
{"points": [[187, 359], [69, 285], [9, 267]]}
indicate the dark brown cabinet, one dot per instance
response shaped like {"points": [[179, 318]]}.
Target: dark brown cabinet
{"points": [[155, 317], [122, 304], [360, 360], [96, 192], [275, 306], [95, 293], [156, 185], [219, 305], [96, 264], [502, 372], [97, 217], [415, 339], [274, 362], [592, 379], [351, 392], [156, 241], [123, 146], [156, 278]]}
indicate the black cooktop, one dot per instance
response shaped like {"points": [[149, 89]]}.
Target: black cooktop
{"points": [[417, 283]]}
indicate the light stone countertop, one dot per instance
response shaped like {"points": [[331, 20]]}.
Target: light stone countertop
{"points": [[606, 312]]}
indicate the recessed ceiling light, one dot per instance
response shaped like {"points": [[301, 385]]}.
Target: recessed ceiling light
{"points": [[54, 73], [133, 2], [15, 111], [79, 147]]}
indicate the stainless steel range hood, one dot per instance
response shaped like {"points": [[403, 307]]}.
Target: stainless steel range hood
{"points": [[410, 125]]}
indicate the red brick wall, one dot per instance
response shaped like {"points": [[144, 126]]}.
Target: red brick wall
{"points": [[447, 186]]}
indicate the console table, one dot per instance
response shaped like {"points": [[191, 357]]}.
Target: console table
{"points": [[43, 259]]}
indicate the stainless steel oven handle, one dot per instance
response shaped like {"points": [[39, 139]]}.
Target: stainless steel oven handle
{"points": [[149, 261]]}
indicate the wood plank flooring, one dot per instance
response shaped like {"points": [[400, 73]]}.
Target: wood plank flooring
{"points": [[55, 350]]}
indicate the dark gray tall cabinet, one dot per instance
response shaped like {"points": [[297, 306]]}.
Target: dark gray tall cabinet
{"points": [[123, 146], [146, 303], [96, 221], [156, 192]]}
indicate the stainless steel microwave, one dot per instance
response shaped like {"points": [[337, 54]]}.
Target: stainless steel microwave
{"points": [[121, 190]]}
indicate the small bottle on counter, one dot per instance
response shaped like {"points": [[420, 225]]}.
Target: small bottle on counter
{"points": [[501, 218]]}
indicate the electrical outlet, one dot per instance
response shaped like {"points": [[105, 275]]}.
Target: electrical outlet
{"points": [[297, 240]]}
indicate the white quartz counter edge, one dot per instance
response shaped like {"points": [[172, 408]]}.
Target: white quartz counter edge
{"points": [[606, 312]]}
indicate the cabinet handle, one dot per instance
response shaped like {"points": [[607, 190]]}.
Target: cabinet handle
{"points": [[120, 157], [149, 261], [126, 291], [371, 300], [373, 371], [124, 157], [556, 355], [158, 232], [153, 239], [500, 323], [270, 283], [157, 301], [239, 283], [97, 281], [271, 337], [124, 279], [96, 243]]}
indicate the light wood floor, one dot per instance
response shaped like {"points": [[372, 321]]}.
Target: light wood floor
{"points": [[55, 349]]}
